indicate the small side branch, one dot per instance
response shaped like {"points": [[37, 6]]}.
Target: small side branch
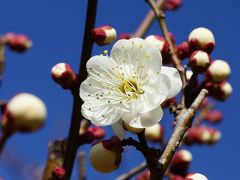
{"points": [[82, 166], [133, 172]]}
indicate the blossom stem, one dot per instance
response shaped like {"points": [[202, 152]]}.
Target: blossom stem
{"points": [[184, 121], [82, 166], [148, 20], [134, 171], [73, 139], [177, 63], [3, 140]]}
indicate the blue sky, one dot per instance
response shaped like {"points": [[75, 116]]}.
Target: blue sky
{"points": [[56, 28]]}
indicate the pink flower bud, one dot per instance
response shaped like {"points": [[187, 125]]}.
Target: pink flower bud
{"points": [[199, 61], [63, 74], [124, 36], [58, 172], [183, 50], [105, 156], [180, 162], [154, 133], [132, 129], [98, 132], [214, 116], [204, 103], [18, 42], [198, 135], [158, 42], [196, 176], [167, 103], [24, 112], [220, 91], [215, 135], [172, 4], [104, 35], [201, 39], [218, 71]]}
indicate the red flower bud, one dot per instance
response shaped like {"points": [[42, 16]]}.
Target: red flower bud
{"points": [[63, 74], [58, 172], [98, 132], [168, 102], [104, 35], [176, 177], [214, 116], [197, 135], [154, 133], [124, 36], [143, 176], [183, 50], [172, 4], [18, 42], [180, 162]]}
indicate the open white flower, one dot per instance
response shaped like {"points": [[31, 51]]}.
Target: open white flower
{"points": [[130, 85]]}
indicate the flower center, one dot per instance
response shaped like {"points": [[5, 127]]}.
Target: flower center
{"points": [[130, 88]]}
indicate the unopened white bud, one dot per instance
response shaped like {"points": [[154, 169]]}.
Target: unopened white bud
{"points": [[24, 112], [132, 129], [199, 61], [104, 35], [189, 74], [218, 71], [201, 39], [196, 176], [154, 133]]}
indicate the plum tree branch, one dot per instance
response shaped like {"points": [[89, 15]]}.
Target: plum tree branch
{"points": [[177, 63], [72, 145]]}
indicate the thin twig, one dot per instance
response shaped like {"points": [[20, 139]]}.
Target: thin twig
{"points": [[3, 140], [177, 63], [148, 20], [72, 145], [82, 166], [134, 171], [2, 49], [56, 151], [184, 121]]}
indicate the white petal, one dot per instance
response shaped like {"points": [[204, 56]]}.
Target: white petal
{"points": [[101, 114], [174, 78], [118, 129], [155, 92], [143, 120]]}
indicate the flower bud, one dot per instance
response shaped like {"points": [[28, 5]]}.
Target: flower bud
{"points": [[215, 135], [154, 133], [196, 176], [204, 103], [104, 35], [124, 36], [58, 173], [218, 71], [158, 42], [172, 4], [199, 61], [201, 39], [105, 156], [167, 103], [18, 42], [189, 74], [63, 74], [220, 91], [176, 177], [180, 162], [214, 116], [198, 135], [132, 129], [24, 112], [183, 50], [97, 132]]}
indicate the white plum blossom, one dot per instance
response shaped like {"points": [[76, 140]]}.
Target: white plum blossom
{"points": [[128, 85]]}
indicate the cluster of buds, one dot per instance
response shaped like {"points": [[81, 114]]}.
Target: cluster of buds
{"points": [[155, 133], [104, 35], [63, 74], [24, 113], [91, 134], [17, 42], [202, 135], [105, 156], [180, 162]]}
